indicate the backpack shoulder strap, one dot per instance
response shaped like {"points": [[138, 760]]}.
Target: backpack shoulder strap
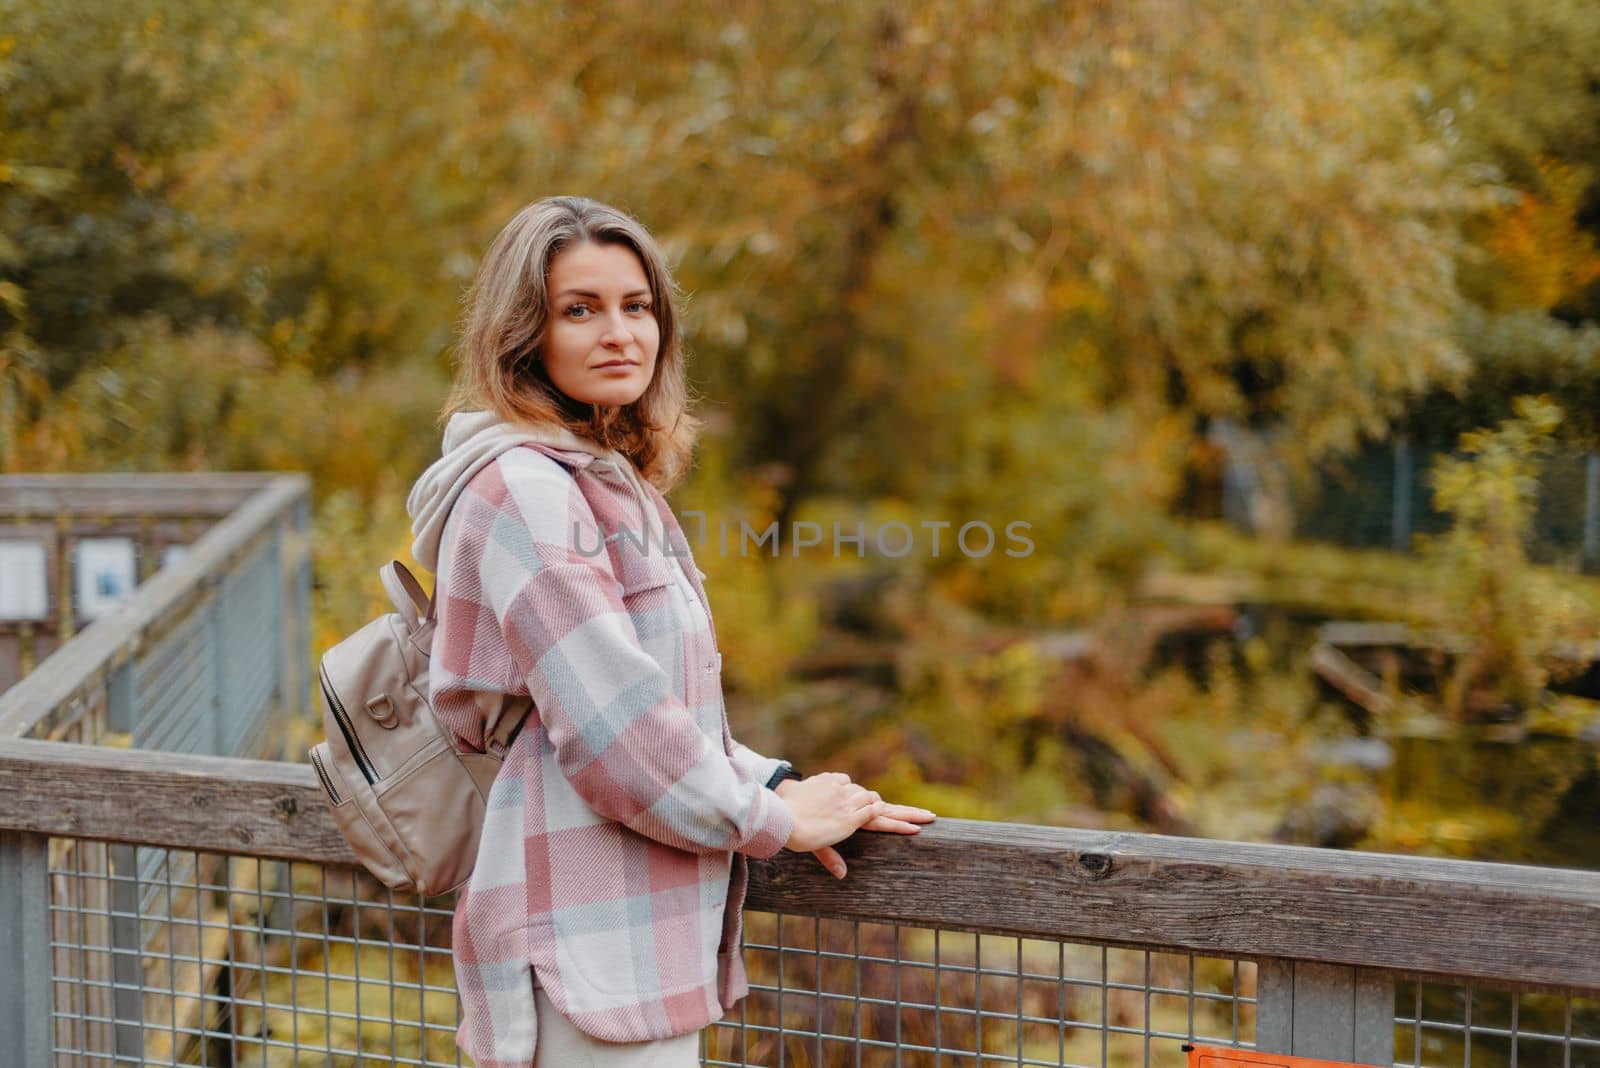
{"points": [[409, 598], [406, 592]]}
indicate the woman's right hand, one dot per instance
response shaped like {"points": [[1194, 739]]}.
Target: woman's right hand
{"points": [[828, 808]]}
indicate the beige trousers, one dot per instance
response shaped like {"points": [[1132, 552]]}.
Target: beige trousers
{"points": [[558, 1044]]}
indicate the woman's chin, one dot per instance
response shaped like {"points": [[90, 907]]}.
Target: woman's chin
{"points": [[607, 395]]}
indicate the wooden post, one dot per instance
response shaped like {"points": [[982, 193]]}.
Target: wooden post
{"points": [[1330, 1011], [26, 1026]]}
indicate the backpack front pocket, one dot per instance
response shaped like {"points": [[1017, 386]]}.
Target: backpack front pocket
{"points": [[347, 729], [363, 840]]}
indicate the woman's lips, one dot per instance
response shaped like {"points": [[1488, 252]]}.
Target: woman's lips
{"points": [[616, 365]]}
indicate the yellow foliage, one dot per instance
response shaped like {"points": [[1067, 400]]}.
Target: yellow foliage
{"points": [[1547, 255], [1511, 612]]}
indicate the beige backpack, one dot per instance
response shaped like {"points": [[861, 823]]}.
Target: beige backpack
{"points": [[408, 802]]}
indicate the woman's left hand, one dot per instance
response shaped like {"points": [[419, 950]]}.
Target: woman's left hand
{"points": [[900, 819], [896, 819]]}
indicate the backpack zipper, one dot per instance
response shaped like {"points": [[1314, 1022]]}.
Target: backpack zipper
{"points": [[322, 773], [345, 728]]}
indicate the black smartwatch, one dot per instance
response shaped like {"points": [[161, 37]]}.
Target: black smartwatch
{"points": [[785, 771]]}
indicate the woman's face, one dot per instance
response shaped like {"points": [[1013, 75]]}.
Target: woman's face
{"points": [[602, 336]]}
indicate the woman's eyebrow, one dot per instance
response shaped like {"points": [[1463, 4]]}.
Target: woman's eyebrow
{"points": [[595, 296]]}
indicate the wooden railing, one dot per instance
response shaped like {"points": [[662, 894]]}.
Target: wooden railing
{"points": [[159, 904], [1330, 932], [205, 654]]}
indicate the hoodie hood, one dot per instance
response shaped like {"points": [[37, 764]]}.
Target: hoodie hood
{"points": [[471, 441]]}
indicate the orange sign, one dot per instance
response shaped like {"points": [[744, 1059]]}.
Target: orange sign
{"points": [[1223, 1057]]}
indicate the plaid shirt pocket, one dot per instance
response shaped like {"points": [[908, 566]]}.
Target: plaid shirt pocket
{"points": [[636, 568]]}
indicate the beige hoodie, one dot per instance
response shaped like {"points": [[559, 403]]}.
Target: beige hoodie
{"points": [[471, 441]]}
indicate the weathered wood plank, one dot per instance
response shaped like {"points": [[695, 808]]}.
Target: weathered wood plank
{"points": [[14, 656], [1345, 633], [82, 664], [1439, 917], [1423, 915], [176, 800], [1351, 679], [163, 494]]}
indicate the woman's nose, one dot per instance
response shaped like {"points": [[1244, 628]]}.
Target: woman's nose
{"points": [[616, 330]]}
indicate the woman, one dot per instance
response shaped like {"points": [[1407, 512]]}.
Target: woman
{"points": [[603, 916]]}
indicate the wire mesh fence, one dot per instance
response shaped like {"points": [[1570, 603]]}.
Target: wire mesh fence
{"points": [[1465, 1024], [209, 959], [206, 959], [200, 958], [834, 992]]}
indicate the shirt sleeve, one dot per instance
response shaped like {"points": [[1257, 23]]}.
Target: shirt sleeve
{"points": [[752, 766], [622, 737]]}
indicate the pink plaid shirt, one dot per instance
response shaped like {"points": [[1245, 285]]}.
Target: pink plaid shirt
{"points": [[610, 869]]}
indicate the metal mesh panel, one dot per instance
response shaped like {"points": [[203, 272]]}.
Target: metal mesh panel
{"points": [[174, 690], [229, 960], [1446, 1024], [219, 960], [249, 629], [216, 960], [829, 992]]}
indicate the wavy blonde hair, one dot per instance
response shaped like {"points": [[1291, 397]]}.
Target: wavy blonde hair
{"points": [[500, 356]]}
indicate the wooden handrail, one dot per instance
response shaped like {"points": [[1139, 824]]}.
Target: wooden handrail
{"points": [[156, 494], [1447, 918]]}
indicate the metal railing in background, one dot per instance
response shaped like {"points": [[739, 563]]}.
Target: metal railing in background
{"points": [[203, 651], [206, 654], [969, 944]]}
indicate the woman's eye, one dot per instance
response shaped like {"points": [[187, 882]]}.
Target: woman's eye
{"points": [[639, 305], [575, 309]]}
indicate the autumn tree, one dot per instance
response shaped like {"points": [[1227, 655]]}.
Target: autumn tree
{"points": [[98, 103], [1514, 91], [939, 234]]}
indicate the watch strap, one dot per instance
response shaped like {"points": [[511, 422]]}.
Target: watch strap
{"points": [[785, 771]]}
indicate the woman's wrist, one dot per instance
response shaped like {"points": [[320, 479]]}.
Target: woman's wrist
{"points": [[785, 773]]}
